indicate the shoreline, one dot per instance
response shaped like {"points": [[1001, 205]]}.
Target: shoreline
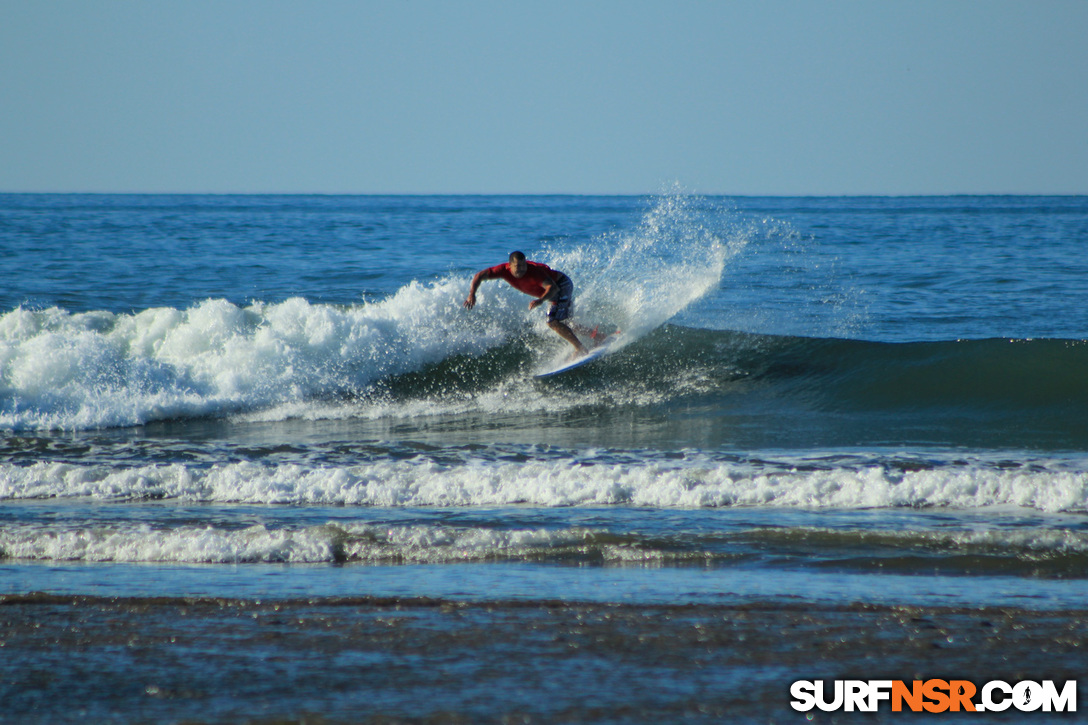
{"points": [[393, 660]]}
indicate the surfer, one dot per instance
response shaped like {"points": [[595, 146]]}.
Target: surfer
{"points": [[539, 281]]}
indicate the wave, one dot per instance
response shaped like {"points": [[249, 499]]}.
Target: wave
{"points": [[77, 371], [395, 359], [695, 481], [417, 354], [1013, 374], [328, 543], [707, 388], [1028, 549], [99, 369]]}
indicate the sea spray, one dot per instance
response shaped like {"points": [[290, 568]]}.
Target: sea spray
{"points": [[635, 280]]}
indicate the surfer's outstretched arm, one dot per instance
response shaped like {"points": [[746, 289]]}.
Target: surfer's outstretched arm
{"points": [[480, 276]]}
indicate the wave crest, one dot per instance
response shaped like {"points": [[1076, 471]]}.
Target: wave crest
{"points": [[694, 484]]}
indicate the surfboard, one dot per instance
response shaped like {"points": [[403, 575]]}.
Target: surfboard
{"points": [[594, 354]]}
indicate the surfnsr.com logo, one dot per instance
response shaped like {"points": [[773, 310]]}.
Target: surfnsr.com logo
{"points": [[934, 696]]}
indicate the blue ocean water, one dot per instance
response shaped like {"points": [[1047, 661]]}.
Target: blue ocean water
{"points": [[825, 399]]}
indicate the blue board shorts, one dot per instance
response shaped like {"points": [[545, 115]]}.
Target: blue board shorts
{"points": [[563, 305]]}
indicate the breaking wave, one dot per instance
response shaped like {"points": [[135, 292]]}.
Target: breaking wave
{"points": [[77, 371]]}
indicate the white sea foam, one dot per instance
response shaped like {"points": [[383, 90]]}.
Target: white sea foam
{"points": [[556, 483], [1025, 541], [185, 544], [74, 371], [371, 543], [365, 543]]}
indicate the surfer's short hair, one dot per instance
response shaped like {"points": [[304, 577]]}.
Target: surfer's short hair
{"points": [[517, 256]]}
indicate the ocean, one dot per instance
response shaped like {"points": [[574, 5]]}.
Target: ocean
{"points": [[258, 463]]}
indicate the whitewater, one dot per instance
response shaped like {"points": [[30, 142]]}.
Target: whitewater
{"points": [[695, 481]]}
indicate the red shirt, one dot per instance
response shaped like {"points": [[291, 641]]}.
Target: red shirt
{"points": [[533, 281]]}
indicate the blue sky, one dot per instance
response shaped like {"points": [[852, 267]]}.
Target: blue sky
{"points": [[844, 97]]}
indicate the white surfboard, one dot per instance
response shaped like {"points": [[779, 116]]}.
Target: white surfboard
{"points": [[594, 354]]}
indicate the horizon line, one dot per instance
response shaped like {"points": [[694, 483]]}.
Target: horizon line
{"points": [[682, 192]]}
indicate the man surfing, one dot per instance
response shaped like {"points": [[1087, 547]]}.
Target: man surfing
{"points": [[539, 281]]}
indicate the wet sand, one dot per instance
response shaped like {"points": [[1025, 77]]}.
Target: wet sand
{"points": [[89, 660]]}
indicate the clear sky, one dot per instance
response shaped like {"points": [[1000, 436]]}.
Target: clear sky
{"points": [[591, 96]]}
